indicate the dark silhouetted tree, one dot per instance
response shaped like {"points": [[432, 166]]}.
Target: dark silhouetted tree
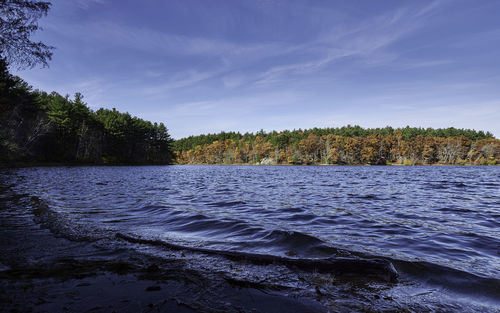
{"points": [[18, 21]]}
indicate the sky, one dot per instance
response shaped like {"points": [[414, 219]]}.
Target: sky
{"points": [[246, 65]]}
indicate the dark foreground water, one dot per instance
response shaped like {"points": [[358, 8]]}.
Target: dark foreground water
{"points": [[438, 226]]}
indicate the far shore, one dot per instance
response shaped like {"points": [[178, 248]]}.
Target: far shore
{"points": [[75, 164], [340, 165]]}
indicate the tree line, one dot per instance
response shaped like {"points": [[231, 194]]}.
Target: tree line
{"points": [[348, 145], [41, 127]]}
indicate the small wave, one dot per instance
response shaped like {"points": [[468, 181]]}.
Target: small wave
{"points": [[437, 186], [209, 227], [293, 243], [152, 209], [366, 196], [449, 278], [241, 234], [376, 269], [456, 210], [226, 204], [292, 210], [12, 196], [291, 239], [61, 225], [330, 185], [304, 217]]}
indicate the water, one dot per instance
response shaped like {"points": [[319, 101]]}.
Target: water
{"points": [[439, 226]]}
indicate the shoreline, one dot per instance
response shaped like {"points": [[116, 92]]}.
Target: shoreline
{"points": [[340, 165], [122, 287], [61, 164], [29, 165]]}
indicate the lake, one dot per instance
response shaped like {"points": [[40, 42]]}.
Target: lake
{"points": [[439, 226]]}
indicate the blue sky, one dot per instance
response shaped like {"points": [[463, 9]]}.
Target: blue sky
{"points": [[209, 66]]}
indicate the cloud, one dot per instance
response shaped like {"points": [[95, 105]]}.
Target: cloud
{"points": [[152, 40], [178, 80], [86, 4], [234, 80], [366, 41], [257, 63], [430, 8]]}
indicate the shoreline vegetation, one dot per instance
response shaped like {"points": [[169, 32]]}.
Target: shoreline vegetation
{"points": [[42, 129], [348, 145]]}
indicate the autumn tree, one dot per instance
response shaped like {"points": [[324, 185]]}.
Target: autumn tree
{"points": [[370, 151], [261, 148], [311, 148], [452, 150], [352, 145]]}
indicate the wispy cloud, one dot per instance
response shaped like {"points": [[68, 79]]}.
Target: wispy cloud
{"points": [[155, 41], [364, 41], [85, 4], [417, 64], [178, 80], [234, 79], [247, 64], [431, 7]]}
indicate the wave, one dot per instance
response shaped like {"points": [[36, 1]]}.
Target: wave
{"points": [[378, 269], [449, 278], [61, 224], [226, 203]]}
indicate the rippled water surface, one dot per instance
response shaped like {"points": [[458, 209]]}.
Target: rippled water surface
{"points": [[434, 219]]}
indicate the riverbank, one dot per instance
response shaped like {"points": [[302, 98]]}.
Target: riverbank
{"points": [[117, 286]]}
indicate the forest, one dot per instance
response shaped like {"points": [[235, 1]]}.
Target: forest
{"points": [[348, 145], [41, 128]]}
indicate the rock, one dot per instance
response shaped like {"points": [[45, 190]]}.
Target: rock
{"points": [[3, 267], [153, 288], [267, 161]]}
